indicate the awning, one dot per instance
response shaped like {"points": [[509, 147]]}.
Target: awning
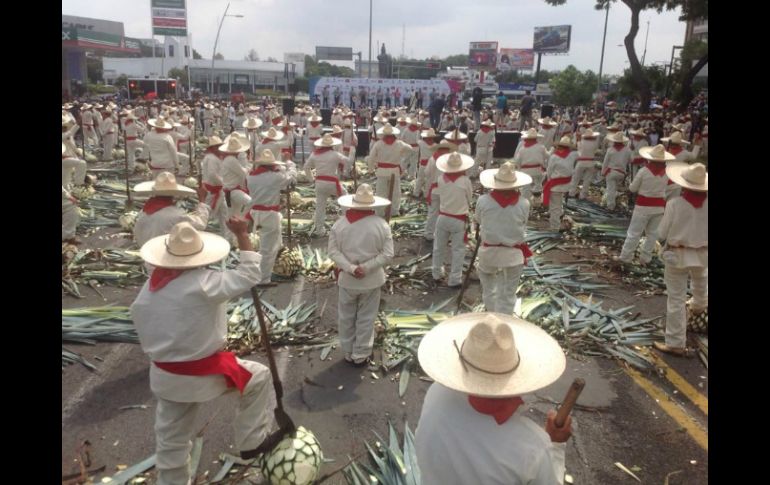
{"points": [[87, 39]]}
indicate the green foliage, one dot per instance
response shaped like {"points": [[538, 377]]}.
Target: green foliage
{"points": [[94, 69], [219, 56], [196, 55], [181, 74], [456, 60], [313, 68], [572, 87], [121, 81], [252, 56], [656, 76], [519, 78]]}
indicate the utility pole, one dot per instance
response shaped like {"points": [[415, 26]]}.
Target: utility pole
{"points": [[601, 62], [370, 38], [645, 42]]}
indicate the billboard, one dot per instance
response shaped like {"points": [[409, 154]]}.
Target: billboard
{"points": [[169, 17], [509, 59], [95, 25], [334, 53], [552, 39], [482, 56]]}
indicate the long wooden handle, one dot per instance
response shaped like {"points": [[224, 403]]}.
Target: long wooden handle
{"points": [[569, 401], [391, 187], [468, 272], [268, 349], [288, 216]]}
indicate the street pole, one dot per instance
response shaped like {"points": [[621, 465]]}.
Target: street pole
{"points": [[214, 54], [370, 38], [601, 62], [645, 42]]}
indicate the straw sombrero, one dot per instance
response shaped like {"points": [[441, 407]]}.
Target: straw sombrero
{"points": [[547, 121], [160, 122], [675, 138], [252, 123], [617, 137], [267, 158], [164, 185], [491, 355], [273, 134], [315, 117], [531, 134], [589, 133], [565, 141], [327, 141], [692, 177], [213, 141], [429, 133], [657, 153], [380, 119], [488, 123], [184, 247], [387, 129], [455, 135], [443, 144], [233, 144], [364, 198], [504, 177], [454, 162]]}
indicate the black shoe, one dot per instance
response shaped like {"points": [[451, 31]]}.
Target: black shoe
{"points": [[266, 446]]}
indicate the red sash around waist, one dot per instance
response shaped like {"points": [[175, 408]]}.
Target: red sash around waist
{"points": [[551, 183], [130, 138], [390, 165], [213, 189], [608, 169], [461, 217], [258, 207], [534, 166], [223, 363], [330, 178], [424, 162], [585, 159], [644, 201], [523, 247]]}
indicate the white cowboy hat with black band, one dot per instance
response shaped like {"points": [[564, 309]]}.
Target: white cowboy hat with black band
{"points": [[327, 141], [164, 185], [184, 247], [692, 177], [454, 162], [491, 355], [364, 198], [657, 153], [504, 178]]}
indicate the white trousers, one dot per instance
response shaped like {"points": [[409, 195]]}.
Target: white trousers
{"points": [[70, 216], [175, 426], [323, 191], [676, 312], [381, 190], [556, 210], [584, 174], [90, 134], [207, 127], [641, 223], [614, 179], [483, 160], [419, 185], [410, 163], [268, 225], [108, 143], [537, 182], [220, 213], [430, 222], [356, 312], [449, 229], [498, 286], [132, 146]]}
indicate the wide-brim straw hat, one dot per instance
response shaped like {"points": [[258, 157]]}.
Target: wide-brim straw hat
{"points": [[184, 247], [657, 153], [455, 135], [692, 177], [380, 119], [164, 185], [443, 144], [504, 178], [491, 355], [315, 118], [388, 129], [675, 138], [161, 123], [565, 141], [327, 141], [233, 144], [429, 133], [213, 141], [588, 133], [273, 134], [252, 123], [364, 198], [531, 134], [547, 121], [617, 137], [454, 162], [267, 158], [488, 123]]}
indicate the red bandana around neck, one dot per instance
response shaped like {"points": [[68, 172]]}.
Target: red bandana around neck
{"points": [[413, 128], [353, 215], [389, 139], [505, 197], [160, 277], [259, 169], [452, 177], [529, 143], [675, 149], [561, 152], [154, 204], [486, 129], [618, 146], [657, 168], [499, 408], [429, 141], [695, 198], [315, 123], [441, 151], [321, 150]]}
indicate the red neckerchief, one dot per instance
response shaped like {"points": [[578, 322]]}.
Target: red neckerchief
{"points": [[529, 143], [562, 152], [128, 122], [505, 197], [486, 129], [263, 169], [321, 150], [276, 120], [429, 142], [439, 152], [657, 168], [413, 128], [695, 198], [675, 149], [499, 408], [618, 146], [160, 277], [546, 127], [389, 139], [354, 215], [452, 177], [154, 204], [266, 140], [402, 123], [315, 123]]}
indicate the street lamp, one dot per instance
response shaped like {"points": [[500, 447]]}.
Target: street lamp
{"points": [[671, 68], [214, 54], [601, 62]]}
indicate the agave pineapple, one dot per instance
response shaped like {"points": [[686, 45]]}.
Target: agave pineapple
{"points": [[82, 192], [295, 461], [128, 220], [191, 182], [288, 263]]}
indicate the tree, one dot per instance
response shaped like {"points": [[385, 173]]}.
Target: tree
{"points": [[181, 74], [456, 60], [655, 75], [219, 57], [572, 87], [251, 56], [121, 81], [94, 69], [196, 55], [691, 9], [695, 55], [271, 59]]}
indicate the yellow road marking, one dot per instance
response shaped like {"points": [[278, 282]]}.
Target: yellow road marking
{"points": [[694, 429], [684, 387]]}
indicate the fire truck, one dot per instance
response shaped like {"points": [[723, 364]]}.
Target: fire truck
{"points": [[153, 88]]}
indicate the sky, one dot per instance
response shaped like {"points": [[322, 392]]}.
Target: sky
{"points": [[433, 27]]}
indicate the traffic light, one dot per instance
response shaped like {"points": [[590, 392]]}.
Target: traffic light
{"points": [[173, 84], [132, 85]]}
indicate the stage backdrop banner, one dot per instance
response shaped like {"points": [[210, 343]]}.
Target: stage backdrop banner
{"points": [[370, 86]]}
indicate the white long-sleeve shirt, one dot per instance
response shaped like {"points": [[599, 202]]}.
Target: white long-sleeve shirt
{"points": [[367, 243], [617, 160], [685, 225], [162, 148], [212, 169], [455, 197], [485, 141], [456, 445], [534, 155], [106, 126], [647, 184], [162, 221], [273, 145], [265, 188], [233, 173], [410, 137], [501, 225], [69, 141], [187, 320], [548, 136], [325, 164], [73, 170], [314, 131], [587, 148], [384, 153], [559, 167]]}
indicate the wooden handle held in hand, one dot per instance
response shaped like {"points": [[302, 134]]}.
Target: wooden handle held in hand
{"points": [[569, 401]]}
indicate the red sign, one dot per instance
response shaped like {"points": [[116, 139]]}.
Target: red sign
{"points": [[159, 22]]}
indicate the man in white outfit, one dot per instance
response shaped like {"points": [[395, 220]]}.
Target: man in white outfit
{"points": [[426, 147], [109, 136], [548, 130], [361, 244], [470, 430], [561, 165], [531, 157], [431, 182], [73, 173], [585, 169], [326, 161], [615, 166], [87, 120], [385, 159], [234, 186], [411, 135], [675, 145], [164, 156], [133, 143], [181, 321], [252, 125], [273, 140], [211, 180], [265, 183], [485, 146]]}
